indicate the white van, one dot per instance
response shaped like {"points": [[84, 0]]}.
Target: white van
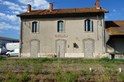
{"points": [[12, 46]]}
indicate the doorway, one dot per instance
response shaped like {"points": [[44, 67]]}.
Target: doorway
{"points": [[88, 48], [34, 48], [60, 48]]}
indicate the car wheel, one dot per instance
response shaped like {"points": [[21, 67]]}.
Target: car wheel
{"points": [[8, 55]]}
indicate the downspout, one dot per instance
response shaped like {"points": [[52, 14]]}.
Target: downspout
{"points": [[104, 34], [97, 29], [20, 38]]}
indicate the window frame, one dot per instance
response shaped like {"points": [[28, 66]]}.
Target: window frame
{"points": [[60, 26], [35, 27], [88, 25]]}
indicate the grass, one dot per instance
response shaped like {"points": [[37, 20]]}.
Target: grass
{"points": [[66, 70]]}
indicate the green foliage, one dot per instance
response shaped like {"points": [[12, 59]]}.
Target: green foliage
{"points": [[121, 77], [12, 79], [1, 79], [66, 76], [24, 77]]}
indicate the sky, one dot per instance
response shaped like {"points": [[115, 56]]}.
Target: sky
{"points": [[10, 23]]}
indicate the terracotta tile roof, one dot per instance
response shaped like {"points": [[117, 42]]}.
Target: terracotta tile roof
{"points": [[64, 11], [115, 27]]}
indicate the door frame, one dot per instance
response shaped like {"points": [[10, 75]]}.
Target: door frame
{"points": [[38, 51], [84, 46], [56, 46]]}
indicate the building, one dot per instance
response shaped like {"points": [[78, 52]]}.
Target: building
{"points": [[4, 40], [75, 32], [115, 43]]}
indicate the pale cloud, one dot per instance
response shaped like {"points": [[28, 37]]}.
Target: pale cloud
{"points": [[36, 4], [2, 14], [15, 12], [106, 17], [8, 17], [12, 5], [114, 10], [4, 25], [10, 20]]}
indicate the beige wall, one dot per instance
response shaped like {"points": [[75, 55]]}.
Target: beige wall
{"points": [[74, 33]]}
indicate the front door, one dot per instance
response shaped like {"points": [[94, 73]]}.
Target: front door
{"points": [[34, 48], [88, 48], [60, 48]]}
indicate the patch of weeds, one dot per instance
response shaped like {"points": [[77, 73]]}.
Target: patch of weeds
{"points": [[24, 77], [70, 77], [36, 70], [13, 79], [83, 73], [8, 75], [120, 77], [108, 66], [111, 61], [66, 76], [2, 58], [1, 79], [88, 75], [104, 60], [119, 61]]}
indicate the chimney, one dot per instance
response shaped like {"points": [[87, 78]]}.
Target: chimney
{"points": [[51, 7], [29, 8], [97, 4]]}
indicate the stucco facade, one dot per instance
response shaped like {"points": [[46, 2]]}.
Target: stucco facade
{"points": [[45, 40], [81, 34]]}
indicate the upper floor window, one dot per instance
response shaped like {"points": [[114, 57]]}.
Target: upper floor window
{"points": [[88, 25], [34, 27], [60, 26]]}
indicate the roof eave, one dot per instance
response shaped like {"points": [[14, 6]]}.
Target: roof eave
{"points": [[24, 15]]}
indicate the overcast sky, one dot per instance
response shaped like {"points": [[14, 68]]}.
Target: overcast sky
{"points": [[9, 22]]}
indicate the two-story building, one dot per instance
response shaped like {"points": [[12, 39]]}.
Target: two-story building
{"points": [[75, 32]]}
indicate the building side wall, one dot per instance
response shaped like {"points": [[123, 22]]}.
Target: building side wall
{"points": [[74, 33]]}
